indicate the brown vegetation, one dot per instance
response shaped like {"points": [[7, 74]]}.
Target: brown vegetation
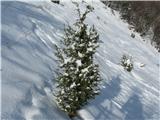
{"points": [[142, 15]]}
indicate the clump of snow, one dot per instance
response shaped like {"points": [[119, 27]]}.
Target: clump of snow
{"points": [[79, 63], [90, 49], [85, 70], [81, 45], [80, 55], [73, 85], [73, 46], [66, 74], [67, 60]]}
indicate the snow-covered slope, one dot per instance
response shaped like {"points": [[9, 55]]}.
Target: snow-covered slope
{"points": [[29, 33]]}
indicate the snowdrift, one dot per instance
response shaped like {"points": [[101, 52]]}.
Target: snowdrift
{"points": [[29, 32]]}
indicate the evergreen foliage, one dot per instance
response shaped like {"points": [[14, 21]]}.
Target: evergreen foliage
{"points": [[79, 77]]}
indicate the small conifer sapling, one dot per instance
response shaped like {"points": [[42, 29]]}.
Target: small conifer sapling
{"points": [[79, 78]]}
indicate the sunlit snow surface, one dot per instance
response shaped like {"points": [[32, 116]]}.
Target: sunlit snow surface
{"points": [[29, 33]]}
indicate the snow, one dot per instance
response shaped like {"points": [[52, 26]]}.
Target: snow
{"points": [[90, 49], [85, 70], [73, 46], [79, 63], [30, 31], [128, 62], [80, 55], [66, 74], [67, 60], [93, 44], [73, 85]]}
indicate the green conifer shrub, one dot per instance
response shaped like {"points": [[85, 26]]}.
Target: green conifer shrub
{"points": [[79, 78]]}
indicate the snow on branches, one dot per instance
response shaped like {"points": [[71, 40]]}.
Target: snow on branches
{"points": [[79, 78]]}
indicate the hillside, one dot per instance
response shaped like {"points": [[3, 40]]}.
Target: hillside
{"points": [[29, 32], [143, 16]]}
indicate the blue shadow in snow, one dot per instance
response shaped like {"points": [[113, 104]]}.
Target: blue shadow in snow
{"points": [[133, 108], [110, 91]]}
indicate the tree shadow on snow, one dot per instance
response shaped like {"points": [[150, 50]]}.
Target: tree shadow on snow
{"points": [[133, 108], [102, 106]]}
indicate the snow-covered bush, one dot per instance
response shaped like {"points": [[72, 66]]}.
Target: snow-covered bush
{"points": [[127, 63], [79, 78]]}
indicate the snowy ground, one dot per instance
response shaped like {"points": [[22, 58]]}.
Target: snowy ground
{"points": [[29, 33]]}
